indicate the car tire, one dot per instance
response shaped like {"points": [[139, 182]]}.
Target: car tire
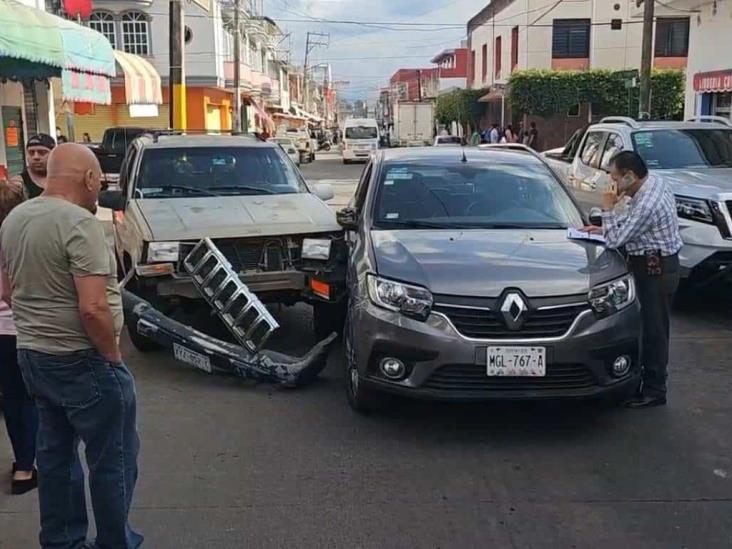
{"points": [[361, 399], [328, 318], [346, 161], [312, 157]]}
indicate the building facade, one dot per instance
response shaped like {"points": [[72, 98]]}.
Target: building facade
{"points": [[709, 69], [452, 68]]}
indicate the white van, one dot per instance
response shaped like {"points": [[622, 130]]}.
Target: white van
{"points": [[360, 139]]}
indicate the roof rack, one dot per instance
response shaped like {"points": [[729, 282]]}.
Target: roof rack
{"points": [[620, 120], [710, 118], [157, 134], [511, 147]]}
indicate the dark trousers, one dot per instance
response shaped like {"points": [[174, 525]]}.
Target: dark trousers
{"points": [[21, 416], [655, 293], [83, 397]]}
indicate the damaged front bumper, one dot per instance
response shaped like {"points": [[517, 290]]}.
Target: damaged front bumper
{"points": [[215, 356]]}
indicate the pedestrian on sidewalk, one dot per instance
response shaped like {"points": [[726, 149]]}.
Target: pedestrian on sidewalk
{"points": [[21, 416], [532, 137], [33, 179], [649, 232], [509, 135], [494, 136], [68, 315]]}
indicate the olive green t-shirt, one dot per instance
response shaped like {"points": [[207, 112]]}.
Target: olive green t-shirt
{"points": [[43, 243]]}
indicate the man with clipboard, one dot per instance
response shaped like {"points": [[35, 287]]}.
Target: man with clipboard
{"points": [[649, 232]]}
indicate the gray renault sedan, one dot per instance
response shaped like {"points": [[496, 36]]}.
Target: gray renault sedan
{"points": [[463, 284]]}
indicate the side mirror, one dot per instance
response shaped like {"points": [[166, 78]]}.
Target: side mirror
{"points": [[324, 191], [114, 200], [596, 217], [347, 218]]}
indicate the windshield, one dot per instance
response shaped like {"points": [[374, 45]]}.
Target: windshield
{"points": [[472, 195], [216, 171], [674, 149], [362, 132]]}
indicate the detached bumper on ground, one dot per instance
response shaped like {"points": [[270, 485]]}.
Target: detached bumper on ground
{"points": [[224, 357]]}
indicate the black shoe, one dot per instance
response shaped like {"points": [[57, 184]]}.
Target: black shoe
{"points": [[18, 487], [646, 401]]}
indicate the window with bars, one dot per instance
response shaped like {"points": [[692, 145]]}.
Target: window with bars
{"points": [[104, 23], [672, 37], [571, 38], [135, 33]]}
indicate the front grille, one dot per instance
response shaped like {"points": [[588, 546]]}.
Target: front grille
{"points": [[488, 324], [471, 377], [259, 255]]}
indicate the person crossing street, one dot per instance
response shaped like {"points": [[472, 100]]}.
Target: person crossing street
{"points": [[649, 232]]}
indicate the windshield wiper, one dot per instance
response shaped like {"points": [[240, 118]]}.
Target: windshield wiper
{"points": [[417, 224], [241, 188], [184, 188]]}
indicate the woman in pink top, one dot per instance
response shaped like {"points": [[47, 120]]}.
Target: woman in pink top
{"points": [[21, 416]]}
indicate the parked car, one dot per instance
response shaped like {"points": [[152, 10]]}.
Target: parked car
{"points": [[245, 196], [306, 144], [448, 141], [111, 152], [288, 145], [695, 157], [461, 274]]}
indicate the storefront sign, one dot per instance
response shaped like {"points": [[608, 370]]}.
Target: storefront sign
{"points": [[715, 81]]}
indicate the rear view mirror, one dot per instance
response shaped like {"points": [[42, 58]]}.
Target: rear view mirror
{"points": [[348, 219], [324, 191], [596, 217], [114, 200]]}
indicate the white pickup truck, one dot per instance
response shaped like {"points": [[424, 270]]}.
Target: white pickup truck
{"points": [[694, 157]]}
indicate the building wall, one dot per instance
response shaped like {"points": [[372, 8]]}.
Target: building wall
{"points": [[411, 78], [707, 40], [609, 49]]}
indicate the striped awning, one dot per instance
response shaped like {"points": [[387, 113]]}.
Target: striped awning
{"points": [[142, 81]]}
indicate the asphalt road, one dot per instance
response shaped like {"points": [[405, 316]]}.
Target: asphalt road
{"points": [[226, 464]]}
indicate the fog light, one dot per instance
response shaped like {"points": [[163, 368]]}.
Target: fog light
{"points": [[392, 368], [621, 366]]}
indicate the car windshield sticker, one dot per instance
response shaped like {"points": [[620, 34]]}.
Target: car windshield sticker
{"points": [[399, 174], [392, 216], [644, 140], [388, 183]]}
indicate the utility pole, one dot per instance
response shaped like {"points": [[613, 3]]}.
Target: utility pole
{"points": [[237, 67], [419, 85], [177, 78], [646, 60], [313, 40]]}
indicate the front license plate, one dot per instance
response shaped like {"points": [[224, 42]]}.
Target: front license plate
{"points": [[517, 361], [197, 360]]}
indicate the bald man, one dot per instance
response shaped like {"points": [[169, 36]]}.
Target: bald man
{"points": [[68, 314]]}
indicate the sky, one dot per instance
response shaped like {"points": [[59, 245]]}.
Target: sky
{"points": [[366, 56]]}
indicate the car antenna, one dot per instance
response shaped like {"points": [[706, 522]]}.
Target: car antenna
{"points": [[464, 159]]}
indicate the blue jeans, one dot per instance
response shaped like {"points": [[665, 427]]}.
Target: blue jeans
{"points": [[21, 416], [84, 397]]}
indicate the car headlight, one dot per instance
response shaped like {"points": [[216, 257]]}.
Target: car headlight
{"points": [[411, 301], [316, 248], [611, 297], [694, 208], [163, 251]]}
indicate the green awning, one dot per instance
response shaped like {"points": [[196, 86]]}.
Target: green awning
{"points": [[33, 36], [29, 34]]}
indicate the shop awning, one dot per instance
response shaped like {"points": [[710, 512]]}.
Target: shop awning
{"points": [[37, 44], [492, 96], [715, 81], [142, 81]]}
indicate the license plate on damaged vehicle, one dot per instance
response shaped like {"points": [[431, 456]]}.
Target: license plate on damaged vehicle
{"points": [[517, 361], [197, 360]]}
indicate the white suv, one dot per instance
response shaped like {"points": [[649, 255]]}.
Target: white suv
{"points": [[694, 157]]}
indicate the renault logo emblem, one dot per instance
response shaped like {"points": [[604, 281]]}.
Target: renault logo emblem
{"points": [[513, 310]]}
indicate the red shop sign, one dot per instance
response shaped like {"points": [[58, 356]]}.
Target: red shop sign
{"points": [[78, 8], [715, 81]]}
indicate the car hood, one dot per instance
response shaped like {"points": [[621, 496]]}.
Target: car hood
{"points": [[482, 263], [699, 182], [236, 216]]}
